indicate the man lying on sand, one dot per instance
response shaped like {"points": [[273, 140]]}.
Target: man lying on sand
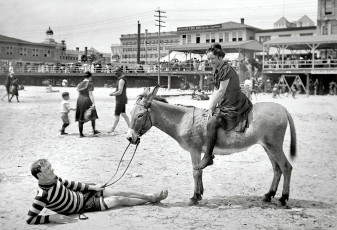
{"points": [[67, 197]]}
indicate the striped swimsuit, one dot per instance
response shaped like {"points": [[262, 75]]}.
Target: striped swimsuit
{"points": [[62, 196]]}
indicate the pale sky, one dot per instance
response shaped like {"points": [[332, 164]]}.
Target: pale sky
{"points": [[100, 23]]}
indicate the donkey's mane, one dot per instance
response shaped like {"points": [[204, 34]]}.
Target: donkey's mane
{"points": [[161, 99]]}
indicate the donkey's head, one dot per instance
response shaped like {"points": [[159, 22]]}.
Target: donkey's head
{"points": [[141, 120]]}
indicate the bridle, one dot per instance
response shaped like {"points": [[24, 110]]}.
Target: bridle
{"points": [[148, 116]]}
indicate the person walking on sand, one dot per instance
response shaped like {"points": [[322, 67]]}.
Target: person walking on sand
{"points": [[229, 106], [85, 101], [65, 109], [70, 197], [14, 89], [121, 99], [8, 81]]}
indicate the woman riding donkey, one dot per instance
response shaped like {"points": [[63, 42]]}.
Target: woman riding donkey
{"points": [[229, 106]]}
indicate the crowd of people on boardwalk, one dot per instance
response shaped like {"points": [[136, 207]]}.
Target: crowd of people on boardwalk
{"points": [[300, 61]]}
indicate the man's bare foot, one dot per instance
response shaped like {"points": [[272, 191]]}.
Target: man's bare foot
{"points": [[206, 161], [157, 197]]}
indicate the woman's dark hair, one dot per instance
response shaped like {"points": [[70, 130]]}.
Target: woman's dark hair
{"points": [[216, 50], [87, 74]]}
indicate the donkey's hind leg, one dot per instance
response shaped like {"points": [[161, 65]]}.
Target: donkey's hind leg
{"points": [[276, 178], [279, 162], [286, 169]]}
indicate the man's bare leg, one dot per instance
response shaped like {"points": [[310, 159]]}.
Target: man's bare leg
{"points": [[126, 118], [117, 201], [151, 197], [116, 120]]}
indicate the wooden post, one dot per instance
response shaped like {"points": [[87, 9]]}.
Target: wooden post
{"points": [[201, 82], [308, 79], [169, 82]]}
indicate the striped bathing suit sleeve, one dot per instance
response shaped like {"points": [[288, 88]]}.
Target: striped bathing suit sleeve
{"points": [[75, 186], [39, 203]]}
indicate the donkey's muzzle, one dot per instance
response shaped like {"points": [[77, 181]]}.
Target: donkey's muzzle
{"points": [[133, 142]]}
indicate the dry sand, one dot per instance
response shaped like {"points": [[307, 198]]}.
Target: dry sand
{"points": [[234, 186]]}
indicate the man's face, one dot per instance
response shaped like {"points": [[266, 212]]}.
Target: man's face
{"points": [[47, 172]]}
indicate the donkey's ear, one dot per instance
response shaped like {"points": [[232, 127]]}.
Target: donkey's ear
{"points": [[152, 95], [155, 91]]}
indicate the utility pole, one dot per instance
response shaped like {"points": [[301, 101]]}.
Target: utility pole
{"points": [[146, 47], [159, 20], [138, 44]]}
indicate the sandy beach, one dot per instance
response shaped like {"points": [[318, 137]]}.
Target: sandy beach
{"points": [[234, 186]]}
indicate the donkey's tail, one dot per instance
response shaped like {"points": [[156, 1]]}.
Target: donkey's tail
{"points": [[292, 136]]}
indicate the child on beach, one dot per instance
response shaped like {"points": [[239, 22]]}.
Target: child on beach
{"points": [[65, 109]]}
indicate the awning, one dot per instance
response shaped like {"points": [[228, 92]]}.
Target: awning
{"points": [[228, 47], [304, 42]]}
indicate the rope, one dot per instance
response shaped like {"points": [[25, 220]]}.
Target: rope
{"points": [[81, 215]]}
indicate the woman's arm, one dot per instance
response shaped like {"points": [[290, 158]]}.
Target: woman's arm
{"points": [[217, 96], [91, 96]]}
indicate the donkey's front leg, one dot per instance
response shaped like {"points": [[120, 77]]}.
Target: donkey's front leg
{"points": [[197, 176]]}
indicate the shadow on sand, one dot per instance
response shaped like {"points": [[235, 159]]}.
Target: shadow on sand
{"points": [[246, 202]]}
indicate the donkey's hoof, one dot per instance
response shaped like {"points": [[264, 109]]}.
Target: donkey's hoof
{"points": [[266, 198], [193, 201], [283, 199]]}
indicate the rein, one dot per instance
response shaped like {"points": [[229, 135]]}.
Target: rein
{"points": [[81, 215]]}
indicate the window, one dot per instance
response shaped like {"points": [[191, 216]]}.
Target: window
{"points": [[23, 51], [226, 36], [189, 38], [184, 39], [220, 37], [285, 35], [9, 50], [35, 52], [197, 39], [208, 38], [263, 39], [329, 7], [47, 53], [212, 37], [240, 35], [234, 36]]}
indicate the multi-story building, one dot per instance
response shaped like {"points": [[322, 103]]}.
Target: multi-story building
{"points": [[201, 34], [327, 17], [126, 52], [223, 32], [18, 52]]}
